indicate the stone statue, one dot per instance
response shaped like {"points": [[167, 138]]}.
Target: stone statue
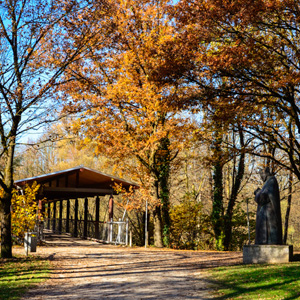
{"points": [[268, 216]]}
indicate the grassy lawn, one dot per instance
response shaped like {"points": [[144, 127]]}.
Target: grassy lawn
{"points": [[18, 274], [258, 281]]}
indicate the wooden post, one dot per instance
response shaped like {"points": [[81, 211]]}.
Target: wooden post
{"points": [[127, 228], [49, 215], [60, 216], [54, 217], [118, 239], [85, 223], [111, 208], [40, 223], [110, 231], [49, 211], [75, 233], [110, 218], [130, 238], [97, 217], [40, 207], [68, 206], [68, 216]]}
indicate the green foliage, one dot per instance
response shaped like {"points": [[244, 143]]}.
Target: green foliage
{"points": [[240, 235], [192, 229], [240, 229], [166, 235], [258, 281], [220, 241], [189, 225], [17, 275]]}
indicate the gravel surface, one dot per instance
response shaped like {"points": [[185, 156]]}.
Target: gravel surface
{"points": [[82, 269]]}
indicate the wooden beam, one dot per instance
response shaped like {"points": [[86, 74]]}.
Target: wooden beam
{"points": [[77, 190]]}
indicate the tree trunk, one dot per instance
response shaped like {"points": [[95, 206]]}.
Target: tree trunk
{"points": [[157, 219], [290, 187], [5, 219], [217, 209], [288, 209], [233, 196], [158, 242], [5, 207], [163, 162]]}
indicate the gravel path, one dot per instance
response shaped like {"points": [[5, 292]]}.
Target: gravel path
{"points": [[88, 270]]}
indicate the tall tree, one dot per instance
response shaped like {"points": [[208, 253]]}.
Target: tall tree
{"points": [[247, 54], [226, 159], [251, 47], [31, 34], [128, 104], [218, 162]]}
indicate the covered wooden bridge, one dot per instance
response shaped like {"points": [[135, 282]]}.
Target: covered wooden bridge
{"points": [[57, 191]]}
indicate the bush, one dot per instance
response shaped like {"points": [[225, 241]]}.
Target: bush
{"points": [[189, 226], [24, 211]]}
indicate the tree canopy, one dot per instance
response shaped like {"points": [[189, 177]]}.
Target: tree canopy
{"points": [[147, 79]]}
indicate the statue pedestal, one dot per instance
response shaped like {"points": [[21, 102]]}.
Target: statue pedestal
{"points": [[267, 254]]}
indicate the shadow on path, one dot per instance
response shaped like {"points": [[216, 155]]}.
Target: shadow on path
{"points": [[83, 269]]}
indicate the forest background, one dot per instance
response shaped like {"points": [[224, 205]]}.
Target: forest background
{"points": [[188, 99]]}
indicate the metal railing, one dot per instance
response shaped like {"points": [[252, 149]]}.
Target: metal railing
{"points": [[113, 232]]}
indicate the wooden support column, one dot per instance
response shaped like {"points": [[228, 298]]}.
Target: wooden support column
{"points": [[110, 218], [111, 208], [54, 208], [49, 211], [49, 216], [41, 207], [68, 216], [40, 224], [60, 216], [97, 218], [54, 217], [85, 223], [75, 233], [68, 207]]}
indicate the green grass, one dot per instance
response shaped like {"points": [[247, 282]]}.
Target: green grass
{"points": [[19, 274], [258, 281]]}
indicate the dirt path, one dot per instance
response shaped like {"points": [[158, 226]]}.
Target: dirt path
{"points": [[88, 270]]}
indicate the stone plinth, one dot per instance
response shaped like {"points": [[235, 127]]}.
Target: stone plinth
{"points": [[267, 254]]}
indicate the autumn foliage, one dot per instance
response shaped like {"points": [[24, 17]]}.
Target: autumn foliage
{"points": [[130, 107], [24, 211], [32, 34], [147, 79]]}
